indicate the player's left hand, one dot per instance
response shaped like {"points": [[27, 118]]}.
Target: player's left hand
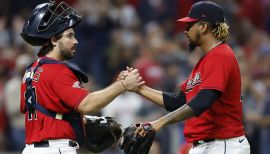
{"points": [[132, 143]]}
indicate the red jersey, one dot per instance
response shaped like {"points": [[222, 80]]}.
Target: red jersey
{"points": [[57, 89], [217, 70]]}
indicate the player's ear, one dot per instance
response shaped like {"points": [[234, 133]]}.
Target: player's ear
{"points": [[53, 40], [204, 26]]}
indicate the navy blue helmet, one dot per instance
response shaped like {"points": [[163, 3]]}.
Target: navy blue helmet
{"points": [[48, 20]]}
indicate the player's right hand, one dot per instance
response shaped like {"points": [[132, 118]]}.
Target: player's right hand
{"points": [[133, 80], [123, 74]]}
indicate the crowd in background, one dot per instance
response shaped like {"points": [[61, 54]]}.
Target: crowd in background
{"points": [[142, 34]]}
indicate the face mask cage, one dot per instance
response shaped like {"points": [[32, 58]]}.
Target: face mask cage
{"points": [[60, 12]]}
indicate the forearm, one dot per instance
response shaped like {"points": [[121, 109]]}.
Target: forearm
{"points": [[153, 95], [95, 101], [174, 101], [193, 108], [183, 113]]}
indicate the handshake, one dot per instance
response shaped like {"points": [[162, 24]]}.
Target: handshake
{"points": [[130, 79], [137, 138]]}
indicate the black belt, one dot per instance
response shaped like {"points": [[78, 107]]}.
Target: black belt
{"points": [[46, 144], [196, 143]]}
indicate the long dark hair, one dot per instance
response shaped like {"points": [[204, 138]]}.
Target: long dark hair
{"points": [[47, 47]]}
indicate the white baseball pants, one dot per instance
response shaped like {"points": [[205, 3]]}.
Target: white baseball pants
{"points": [[60, 146], [237, 145]]}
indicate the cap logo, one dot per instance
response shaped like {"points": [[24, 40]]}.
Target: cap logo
{"points": [[203, 15]]}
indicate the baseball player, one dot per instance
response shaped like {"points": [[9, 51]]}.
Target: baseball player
{"points": [[52, 96], [210, 99]]}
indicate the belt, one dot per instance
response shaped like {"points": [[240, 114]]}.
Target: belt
{"points": [[46, 144], [196, 143]]}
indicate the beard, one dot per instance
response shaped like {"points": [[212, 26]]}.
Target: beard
{"points": [[191, 46], [65, 53]]}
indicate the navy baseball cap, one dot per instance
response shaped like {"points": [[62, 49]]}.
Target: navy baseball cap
{"points": [[206, 11]]}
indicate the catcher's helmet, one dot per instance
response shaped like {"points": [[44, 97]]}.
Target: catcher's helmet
{"points": [[47, 20]]}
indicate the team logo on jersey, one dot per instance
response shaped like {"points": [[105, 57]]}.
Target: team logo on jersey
{"points": [[37, 74], [77, 84], [194, 82]]}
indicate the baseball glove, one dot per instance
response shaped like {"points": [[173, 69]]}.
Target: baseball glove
{"points": [[101, 133], [138, 144]]}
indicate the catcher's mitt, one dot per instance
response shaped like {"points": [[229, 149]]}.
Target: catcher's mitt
{"points": [[101, 133], [138, 144]]}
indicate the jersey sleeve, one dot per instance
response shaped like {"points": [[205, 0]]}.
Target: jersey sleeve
{"points": [[216, 73], [67, 87]]}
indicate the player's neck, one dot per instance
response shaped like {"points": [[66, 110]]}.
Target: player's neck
{"points": [[53, 54], [209, 44]]}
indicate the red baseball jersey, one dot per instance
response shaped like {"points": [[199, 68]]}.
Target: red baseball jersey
{"points": [[218, 70], [57, 89]]}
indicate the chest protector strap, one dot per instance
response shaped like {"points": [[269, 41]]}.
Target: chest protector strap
{"points": [[73, 117]]}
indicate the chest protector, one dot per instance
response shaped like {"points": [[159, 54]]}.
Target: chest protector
{"points": [[73, 117]]}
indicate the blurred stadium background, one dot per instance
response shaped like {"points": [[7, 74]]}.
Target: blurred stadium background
{"points": [[143, 34]]}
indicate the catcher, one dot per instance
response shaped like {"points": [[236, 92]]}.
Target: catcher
{"points": [[52, 96], [209, 100]]}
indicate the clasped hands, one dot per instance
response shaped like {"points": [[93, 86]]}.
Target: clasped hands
{"points": [[130, 79]]}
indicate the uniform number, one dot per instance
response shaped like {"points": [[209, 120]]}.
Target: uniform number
{"points": [[32, 113]]}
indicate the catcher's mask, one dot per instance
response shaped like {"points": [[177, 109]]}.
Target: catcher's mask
{"points": [[47, 20]]}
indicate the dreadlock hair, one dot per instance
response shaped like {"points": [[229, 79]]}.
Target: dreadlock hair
{"points": [[220, 30], [48, 46]]}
